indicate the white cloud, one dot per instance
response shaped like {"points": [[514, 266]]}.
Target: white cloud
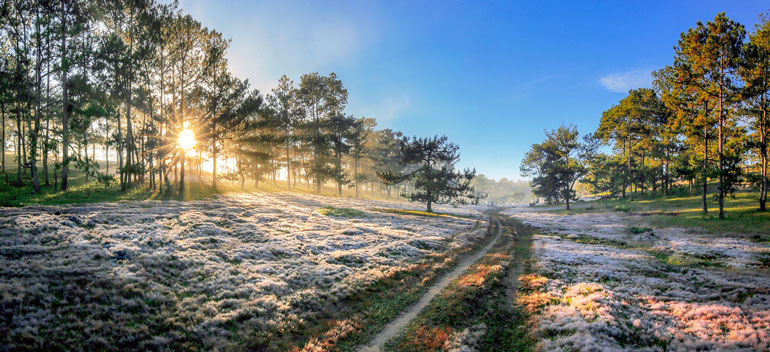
{"points": [[622, 82]]}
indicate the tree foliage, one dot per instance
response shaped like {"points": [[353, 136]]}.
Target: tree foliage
{"points": [[430, 164]]}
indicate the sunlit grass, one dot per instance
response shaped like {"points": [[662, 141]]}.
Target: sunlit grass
{"points": [[197, 186], [742, 213], [420, 213], [81, 191], [341, 212]]}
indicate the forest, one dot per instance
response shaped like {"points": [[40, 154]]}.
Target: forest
{"points": [[136, 94], [702, 128]]}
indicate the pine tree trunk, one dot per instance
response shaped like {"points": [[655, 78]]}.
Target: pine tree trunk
{"points": [[85, 153], [181, 124], [2, 112], [19, 142], [355, 173], [721, 157], [47, 114], [625, 176], [214, 160], [763, 154], [705, 168], [55, 175], [130, 148], [120, 149], [567, 200], [666, 176], [288, 166], [35, 133], [628, 165], [166, 180], [67, 107], [240, 171], [107, 148]]}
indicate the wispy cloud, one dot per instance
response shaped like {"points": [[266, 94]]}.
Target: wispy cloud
{"points": [[386, 108], [285, 37], [524, 89], [621, 82]]}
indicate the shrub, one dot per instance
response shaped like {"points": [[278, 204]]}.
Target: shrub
{"points": [[341, 212], [624, 208], [638, 230]]}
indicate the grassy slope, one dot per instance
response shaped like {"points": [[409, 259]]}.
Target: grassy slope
{"points": [[82, 191], [88, 191], [741, 212], [422, 213]]}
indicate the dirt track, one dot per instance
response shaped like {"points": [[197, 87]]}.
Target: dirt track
{"points": [[394, 327]]}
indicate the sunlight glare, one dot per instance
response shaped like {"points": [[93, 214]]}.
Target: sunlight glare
{"points": [[187, 138]]}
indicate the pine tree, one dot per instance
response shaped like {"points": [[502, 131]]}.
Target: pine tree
{"points": [[434, 175]]}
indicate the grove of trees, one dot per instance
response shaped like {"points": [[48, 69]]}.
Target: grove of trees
{"points": [[123, 81], [704, 125]]}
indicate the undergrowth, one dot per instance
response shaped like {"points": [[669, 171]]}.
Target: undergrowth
{"points": [[341, 212]]}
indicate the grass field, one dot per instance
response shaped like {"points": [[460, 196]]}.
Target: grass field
{"points": [[741, 212], [247, 271], [82, 191], [89, 191]]}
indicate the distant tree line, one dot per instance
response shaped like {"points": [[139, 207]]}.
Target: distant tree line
{"points": [[705, 121], [131, 76], [500, 192]]}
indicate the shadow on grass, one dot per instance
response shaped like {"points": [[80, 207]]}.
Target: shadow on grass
{"points": [[741, 212], [422, 213], [94, 192]]}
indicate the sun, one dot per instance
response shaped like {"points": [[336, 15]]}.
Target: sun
{"points": [[187, 138]]}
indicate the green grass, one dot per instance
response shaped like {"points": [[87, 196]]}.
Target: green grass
{"points": [[81, 191], [681, 259], [639, 230], [624, 208], [422, 213], [586, 239], [341, 212], [88, 191], [741, 213]]}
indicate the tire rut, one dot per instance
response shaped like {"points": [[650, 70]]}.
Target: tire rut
{"points": [[394, 327]]}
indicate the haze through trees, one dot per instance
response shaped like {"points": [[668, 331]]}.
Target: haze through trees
{"points": [[430, 164], [110, 88]]}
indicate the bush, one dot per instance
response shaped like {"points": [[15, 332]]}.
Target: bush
{"points": [[105, 179], [624, 208], [638, 230], [341, 212]]}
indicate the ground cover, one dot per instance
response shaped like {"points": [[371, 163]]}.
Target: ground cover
{"points": [[599, 285], [259, 270]]}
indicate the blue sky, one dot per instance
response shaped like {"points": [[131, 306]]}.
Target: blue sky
{"points": [[491, 75]]}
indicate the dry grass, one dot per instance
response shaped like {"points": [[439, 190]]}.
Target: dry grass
{"points": [[473, 313], [597, 285], [247, 271]]}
